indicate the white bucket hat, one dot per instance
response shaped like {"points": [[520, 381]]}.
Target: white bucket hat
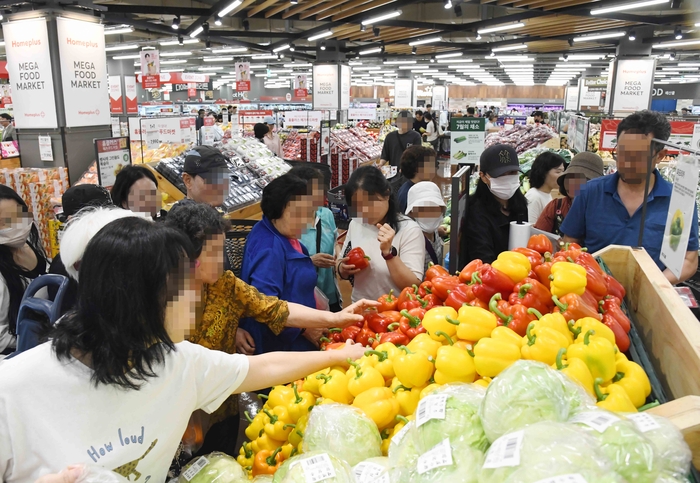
{"points": [[425, 193]]}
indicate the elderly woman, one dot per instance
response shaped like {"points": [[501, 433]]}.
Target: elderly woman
{"points": [[136, 189]]}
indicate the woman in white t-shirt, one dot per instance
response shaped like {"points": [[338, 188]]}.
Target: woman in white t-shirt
{"points": [[545, 171], [393, 242], [432, 131], [116, 385]]}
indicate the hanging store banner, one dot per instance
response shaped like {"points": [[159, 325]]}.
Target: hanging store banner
{"points": [[362, 114], [150, 62], [115, 95], [112, 155], [685, 134], [83, 72], [403, 93], [130, 94], [571, 98], [467, 139], [243, 76], [439, 100], [29, 66], [326, 87], [252, 117], [633, 85], [310, 119], [344, 87], [301, 88]]}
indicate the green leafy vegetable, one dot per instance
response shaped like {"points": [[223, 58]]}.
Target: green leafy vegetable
{"points": [[218, 468]]}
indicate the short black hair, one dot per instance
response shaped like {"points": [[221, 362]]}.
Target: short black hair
{"points": [[260, 129], [198, 221], [542, 165], [371, 179], [201, 111], [471, 110], [538, 114], [419, 112], [646, 122], [5, 115], [414, 157], [277, 195], [428, 106], [126, 179]]}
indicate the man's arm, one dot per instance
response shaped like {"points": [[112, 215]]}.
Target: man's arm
{"points": [[690, 266]]}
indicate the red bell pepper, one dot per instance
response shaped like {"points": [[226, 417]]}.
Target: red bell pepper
{"points": [[540, 243], [380, 322], [615, 288], [387, 302], [411, 301], [430, 301], [365, 335], [335, 335], [489, 281], [404, 296], [534, 257], [350, 333], [622, 340], [570, 253], [479, 303], [358, 258], [327, 345], [443, 285], [515, 317], [396, 338], [585, 259], [426, 288], [532, 294], [590, 299], [411, 322], [595, 282], [462, 294], [435, 271], [465, 276], [543, 272], [612, 306], [574, 307]]}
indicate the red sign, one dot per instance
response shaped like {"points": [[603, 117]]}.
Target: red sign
{"points": [[6, 100], [252, 117], [243, 86], [681, 134], [184, 123], [209, 121], [151, 81], [301, 92], [191, 92], [3, 70], [284, 99]]}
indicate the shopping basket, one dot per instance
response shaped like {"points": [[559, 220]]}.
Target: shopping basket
{"points": [[235, 244]]}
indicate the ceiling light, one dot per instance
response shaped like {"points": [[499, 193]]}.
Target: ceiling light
{"points": [[627, 6], [297, 65], [197, 31], [375, 50], [500, 28], [448, 4], [455, 61], [379, 18], [175, 54], [398, 62], [582, 56], [209, 68], [686, 69], [572, 66], [323, 45], [262, 57], [228, 51], [599, 37], [678, 33], [425, 41], [230, 8], [513, 58], [360, 69], [177, 42], [126, 57], [432, 59], [281, 71], [321, 35], [292, 48], [414, 51], [676, 44], [217, 20], [168, 62], [121, 47], [566, 57], [445, 56], [119, 30], [180, 41], [362, 28], [217, 59], [281, 48], [172, 70], [632, 36], [510, 47], [294, 2], [478, 36]]}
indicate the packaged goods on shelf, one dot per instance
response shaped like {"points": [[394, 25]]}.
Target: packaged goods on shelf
{"points": [[521, 137], [593, 137], [140, 154]]}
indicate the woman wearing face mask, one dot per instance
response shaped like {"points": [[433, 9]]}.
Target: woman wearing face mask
{"points": [[22, 259], [496, 202], [427, 208]]}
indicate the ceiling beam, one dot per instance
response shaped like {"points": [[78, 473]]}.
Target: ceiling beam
{"points": [[149, 10]]}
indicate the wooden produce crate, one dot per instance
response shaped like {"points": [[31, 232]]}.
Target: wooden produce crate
{"points": [[670, 333]]}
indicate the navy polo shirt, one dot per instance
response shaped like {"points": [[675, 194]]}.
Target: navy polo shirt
{"points": [[599, 218]]}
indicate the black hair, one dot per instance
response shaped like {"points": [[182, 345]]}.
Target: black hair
{"points": [[14, 274], [147, 55], [538, 114], [5, 115], [126, 179], [277, 195], [517, 204], [201, 111], [260, 130], [542, 165], [428, 106], [646, 122], [128, 275], [431, 118], [371, 180], [470, 110], [414, 157], [419, 112], [309, 173], [198, 221]]}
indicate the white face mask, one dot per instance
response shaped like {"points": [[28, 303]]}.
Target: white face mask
{"points": [[429, 225], [504, 187], [16, 235]]}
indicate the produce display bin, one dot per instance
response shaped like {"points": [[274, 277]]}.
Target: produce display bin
{"points": [[670, 334]]}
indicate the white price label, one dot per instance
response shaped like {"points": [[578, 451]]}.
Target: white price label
{"points": [[318, 468], [644, 422], [398, 437], [440, 455], [597, 420], [196, 467], [367, 472], [431, 407], [505, 451], [572, 478]]}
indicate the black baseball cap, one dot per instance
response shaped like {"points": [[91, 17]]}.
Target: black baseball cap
{"points": [[81, 196], [499, 159], [203, 160]]}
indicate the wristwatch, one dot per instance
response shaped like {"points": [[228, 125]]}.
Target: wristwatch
{"points": [[391, 254]]}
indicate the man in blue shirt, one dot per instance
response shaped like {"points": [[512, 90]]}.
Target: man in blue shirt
{"points": [[608, 210]]}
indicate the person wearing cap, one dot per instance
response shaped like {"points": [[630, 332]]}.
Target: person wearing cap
{"points": [[272, 139], [427, 208], [496, 202], [396, 143], [545, 171], [608, 210], [206, 176], [584, 167], [136, 189], [417, 164]]}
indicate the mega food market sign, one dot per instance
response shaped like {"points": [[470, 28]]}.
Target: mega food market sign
{"points": [[633, 85], [326, 87]]}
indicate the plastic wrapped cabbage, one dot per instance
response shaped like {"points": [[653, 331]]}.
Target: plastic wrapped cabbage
{"points": [[213, 468], [402, 450], [631, 454], [317, 466], [670, 478], [544, 450], [529, 392], [444, 463], [263, 479], [343, 431], [373, 470]]}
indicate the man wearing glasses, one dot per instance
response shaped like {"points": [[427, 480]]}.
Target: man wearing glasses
{"points": [[608, 210]]}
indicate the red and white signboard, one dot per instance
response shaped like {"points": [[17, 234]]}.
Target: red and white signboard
{"points": [[301, 88], [151, 81], [115, 95], [192, 89], [177, 78], [252, 117], [243, 76], [131, 96], [681, 134], [29, 66]]}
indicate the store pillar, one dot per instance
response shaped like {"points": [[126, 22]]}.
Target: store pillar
{"points": [[120, 74]]}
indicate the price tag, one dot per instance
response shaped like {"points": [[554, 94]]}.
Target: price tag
{"points": [[431, 407], [644, 422], [196, 467], [318, 468], [440, 455], [505, 451], [597, 420], [368, 472], [572, 478], [398, 437]]}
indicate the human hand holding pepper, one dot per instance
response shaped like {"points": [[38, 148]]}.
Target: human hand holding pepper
{"points": [[385, 237], [352, 314], [345, 269]]}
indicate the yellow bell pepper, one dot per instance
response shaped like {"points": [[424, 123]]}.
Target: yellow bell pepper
{"points": [[275, 428], [402, 421], [509, 335], [581, 326], [429, 389], [379, 405], [492, 356], [311, 383], [385, 359], [554, 321], [514, 264], [265, 443], [597, 353], [424, 343], [408, 398], [360, 379], [577, 370], [286, 450], [303, 402], [413, 368], [613, 398], [567, 278], [245, 455], [483, 382], [335, 387], [438, 319], [544, 346], [475, 323], [280, 396], [632, 378], [453, 364], [255, 425], [297, 434]]}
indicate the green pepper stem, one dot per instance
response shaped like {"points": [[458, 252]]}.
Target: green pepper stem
{"points": [[547, 257], [289, 426], [403, 388], [562, 306], [248, 451], [325, 377], [296, 394], [587, 337], [389, 297], [402, 419], [294, 452], [535, 312], [405, 349], [392, 327], [262, 396], [524, 288], [598, 393], [447, 337], [300, 433], [476, 278], [470, 352], [273, 417], [531, 339], [413, 321], [324, 339], [358, 370], [270, 460], [574, 330], [452, 321], [335, 330], [648, 406], [560, 354], [570, 260], [247, 416], [493, 307], [618, 376], [382, 355]]}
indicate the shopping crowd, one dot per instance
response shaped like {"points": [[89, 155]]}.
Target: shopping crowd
{"points": [[158, 335]]}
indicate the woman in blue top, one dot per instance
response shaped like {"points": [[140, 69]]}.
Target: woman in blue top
{"points": [[277, 264]]}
